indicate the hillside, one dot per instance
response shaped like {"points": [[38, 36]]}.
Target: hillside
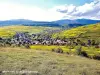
{"points": [[22, 61], [83, 32], [7, 31]]}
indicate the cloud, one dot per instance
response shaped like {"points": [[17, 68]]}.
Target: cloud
{"points": [[18, 11], [88, 11]]}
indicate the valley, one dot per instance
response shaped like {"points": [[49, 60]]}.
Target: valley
{"points": [[50, 37], [84, 39], [50, 50]]}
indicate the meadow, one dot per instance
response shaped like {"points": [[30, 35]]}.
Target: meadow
{"points": [[45, 63], [41, 60], [83, 32], [91, 51], [9, 31]]}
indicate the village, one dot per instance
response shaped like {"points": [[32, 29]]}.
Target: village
{"points": [[25, 39]]}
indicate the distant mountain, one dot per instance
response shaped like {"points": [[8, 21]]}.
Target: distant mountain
{"points": [[27, 23], [58, 23], [15, 22], [77, 22]]}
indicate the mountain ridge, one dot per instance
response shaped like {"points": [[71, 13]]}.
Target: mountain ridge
{"points": [[58, 23]]}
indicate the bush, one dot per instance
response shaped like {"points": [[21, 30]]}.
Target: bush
{"points": [[97, 57], [59, 50], [83, 53], [53, 50], [79, 50], [27, 46]]}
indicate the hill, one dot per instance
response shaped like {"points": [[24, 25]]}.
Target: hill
{"points": [[77, 21], [26, 22], [7, 31], [84, 32], [58, 23], [36, 62]]}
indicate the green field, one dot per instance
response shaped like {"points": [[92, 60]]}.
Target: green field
{"points": [[83, 32], [9, 31], [45, 63], [91, 51], [42, 61]]}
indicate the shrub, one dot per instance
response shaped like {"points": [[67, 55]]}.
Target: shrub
{"points": [[79, 50], [59, 50], [97, 57], [67, 53], [27, 46], [83, 53], [53, 50]]}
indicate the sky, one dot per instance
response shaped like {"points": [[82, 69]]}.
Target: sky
{"points": [[49, 10]]}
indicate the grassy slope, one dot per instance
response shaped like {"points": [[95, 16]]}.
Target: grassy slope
{"points": [[46, 62], [91, 51], [84, 32], [49, 48], [10, 30]]}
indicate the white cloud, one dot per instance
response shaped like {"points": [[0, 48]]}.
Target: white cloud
{"points": [[18, 11], [88, 10]]}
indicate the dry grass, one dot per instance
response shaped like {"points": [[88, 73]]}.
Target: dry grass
{"points": [[46, 63]]}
